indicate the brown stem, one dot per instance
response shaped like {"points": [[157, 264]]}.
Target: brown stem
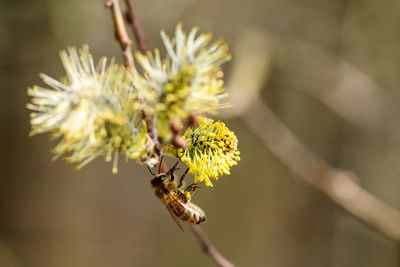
{"points": [[208, 248], [340, 186], [133, 21], [177, 140], [120, 33]]}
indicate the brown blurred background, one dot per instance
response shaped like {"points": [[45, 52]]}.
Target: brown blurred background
{"points": [[330, 71]]}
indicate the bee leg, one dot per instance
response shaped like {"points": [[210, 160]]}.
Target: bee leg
{"points": [[192, 188], [174, 167], [171, 171], [183, 178], [189, 191]]}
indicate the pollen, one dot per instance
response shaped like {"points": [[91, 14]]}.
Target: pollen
{"points": [[188, 196], [211, 152]]}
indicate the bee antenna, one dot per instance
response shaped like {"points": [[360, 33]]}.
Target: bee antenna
{"points": [[150, 170]]}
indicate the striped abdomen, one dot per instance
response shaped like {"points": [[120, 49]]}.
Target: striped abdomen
{"points": [[187, 212]]}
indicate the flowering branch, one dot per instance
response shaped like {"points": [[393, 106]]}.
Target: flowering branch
{"points": [[120, 33], [207, 247], [338, 185], [110, 110]]}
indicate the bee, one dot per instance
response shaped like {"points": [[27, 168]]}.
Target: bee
{"points": [[175, 198]]}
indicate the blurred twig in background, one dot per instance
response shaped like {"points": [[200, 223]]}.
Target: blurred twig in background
{"points": [[123, 39], [339, 185], [346, 90]]}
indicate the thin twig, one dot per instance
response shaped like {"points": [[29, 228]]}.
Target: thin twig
{"points": [[134, 22], [208, 248], [340, 186], [120, 33]]}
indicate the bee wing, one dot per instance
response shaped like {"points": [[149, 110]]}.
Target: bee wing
{"points": [[174, 217]]}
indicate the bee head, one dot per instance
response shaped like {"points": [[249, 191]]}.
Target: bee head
{"points": [[158, 179]]}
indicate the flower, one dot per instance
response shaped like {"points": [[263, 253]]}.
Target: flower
{"points": [[94, 110], [189, 81], [211, 151]]}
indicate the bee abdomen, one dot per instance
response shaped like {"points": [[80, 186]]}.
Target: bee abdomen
{"points": [[188, 212], [198, 215]]}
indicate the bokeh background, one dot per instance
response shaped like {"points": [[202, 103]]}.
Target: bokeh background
{"points": [[329, 69]]}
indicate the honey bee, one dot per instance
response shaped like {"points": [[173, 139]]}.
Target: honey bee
{"points": [[175, 198]]}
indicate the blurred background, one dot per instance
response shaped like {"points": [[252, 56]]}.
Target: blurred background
{"points": [[329, 69]]}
